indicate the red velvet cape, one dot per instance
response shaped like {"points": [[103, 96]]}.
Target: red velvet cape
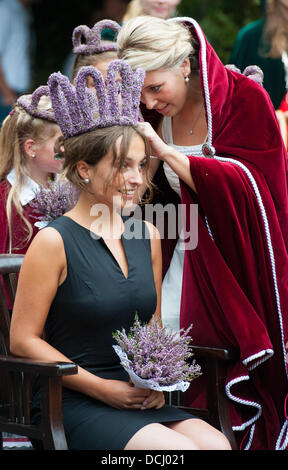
{"points": [[235, 283]]}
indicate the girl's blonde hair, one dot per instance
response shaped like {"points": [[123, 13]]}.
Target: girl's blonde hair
{"points": [[275, 32], [153, 43], [83, 60], [16, 129]]}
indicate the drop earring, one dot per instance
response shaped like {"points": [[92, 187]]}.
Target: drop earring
{"points": [[186, 79]]}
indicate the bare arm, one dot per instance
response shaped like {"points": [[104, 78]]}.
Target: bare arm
{"points": [[156, 255]]}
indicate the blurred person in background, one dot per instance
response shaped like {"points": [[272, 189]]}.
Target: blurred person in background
{"points": [[160, 8]]}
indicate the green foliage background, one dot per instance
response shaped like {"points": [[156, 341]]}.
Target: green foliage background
{"points": [[221, 20]]}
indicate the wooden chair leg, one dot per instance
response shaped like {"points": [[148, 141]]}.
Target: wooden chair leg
{"points": [[217, 403], [52, 424]]}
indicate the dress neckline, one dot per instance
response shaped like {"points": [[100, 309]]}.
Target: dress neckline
{"points": [[98, 237]]}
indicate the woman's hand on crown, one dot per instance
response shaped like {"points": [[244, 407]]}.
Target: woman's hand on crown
{"points": [[158, 147]]}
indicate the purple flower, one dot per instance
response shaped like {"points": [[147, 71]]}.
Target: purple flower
{"points": [[78, 109], [93, 43], [251, 71], [55, 200], [157, 353], [30, 104]]}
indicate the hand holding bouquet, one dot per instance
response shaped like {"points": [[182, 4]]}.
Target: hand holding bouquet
{"points": [[155, 357]]}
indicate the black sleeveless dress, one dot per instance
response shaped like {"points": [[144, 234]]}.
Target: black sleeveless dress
{"points": [[94, 300]]}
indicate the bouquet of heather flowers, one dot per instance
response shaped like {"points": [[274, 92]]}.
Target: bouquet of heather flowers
{"points": [[53, 201], [155, 357]]}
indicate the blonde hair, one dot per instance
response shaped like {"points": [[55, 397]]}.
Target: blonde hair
{"points": [[83, 60], [153, 43], [275, 32], [16, 129]]}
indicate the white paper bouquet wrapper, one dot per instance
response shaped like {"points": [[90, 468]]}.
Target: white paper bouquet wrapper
{"points": [[147, 383]]}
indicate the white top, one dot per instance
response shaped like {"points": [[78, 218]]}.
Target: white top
{"points": [[172, 282], [15, 44]]}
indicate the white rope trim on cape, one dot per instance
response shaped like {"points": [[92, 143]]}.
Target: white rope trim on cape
{"points": [[274, 275], [208, 228], [251, 435], [254, 404], [269, 243], [264, 355], [285, 443]]}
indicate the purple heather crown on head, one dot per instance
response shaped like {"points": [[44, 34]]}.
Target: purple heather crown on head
{"points": [[79, 109], [93, 43], [31, 102]]}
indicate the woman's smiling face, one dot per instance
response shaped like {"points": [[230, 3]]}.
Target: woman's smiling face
{"points": [[117, 186]]}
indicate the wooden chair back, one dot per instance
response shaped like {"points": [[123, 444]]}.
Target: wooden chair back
{"points": [[9, 268]]}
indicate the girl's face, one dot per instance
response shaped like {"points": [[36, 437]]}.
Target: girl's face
{"points": [[118, 187], [165, 90], [160, 8], [44, 152]]}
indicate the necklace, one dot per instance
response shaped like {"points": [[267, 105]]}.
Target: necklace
{"points": [[195, 120]]}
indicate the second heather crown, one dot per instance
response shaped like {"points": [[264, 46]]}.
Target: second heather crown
{"points": [[79, 109]]}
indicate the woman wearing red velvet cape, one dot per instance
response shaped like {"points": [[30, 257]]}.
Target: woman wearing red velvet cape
{"points": [[235, 282]]}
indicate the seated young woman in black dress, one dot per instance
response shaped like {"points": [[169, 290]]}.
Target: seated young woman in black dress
{"points": [[84, 276]]}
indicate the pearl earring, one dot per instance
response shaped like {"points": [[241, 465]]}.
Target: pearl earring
{"points": [[86, 180], [33, 155], [186, 79]]}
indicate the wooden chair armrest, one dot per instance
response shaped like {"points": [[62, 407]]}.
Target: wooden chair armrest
{"points": [[51, 369], [21, 373], [215, 353]]}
